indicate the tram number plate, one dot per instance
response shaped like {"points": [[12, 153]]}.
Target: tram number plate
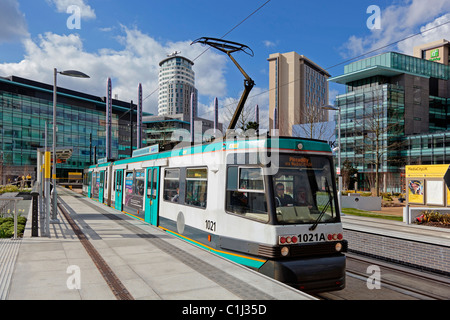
{"points": [[210, 225], [311, 237]]}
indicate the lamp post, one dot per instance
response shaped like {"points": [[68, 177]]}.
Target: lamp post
{"points": [[69, 73], [329, 107]]}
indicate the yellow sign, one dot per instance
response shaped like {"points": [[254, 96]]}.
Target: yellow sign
{"points": [[427, 171], [448, 197], [47, 165], [415, 191]]}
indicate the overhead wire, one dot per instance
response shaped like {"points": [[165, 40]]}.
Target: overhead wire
{"points": [[346, 61], [227, 33]]}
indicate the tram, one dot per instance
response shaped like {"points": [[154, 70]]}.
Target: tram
{"points": [[269, 203]]}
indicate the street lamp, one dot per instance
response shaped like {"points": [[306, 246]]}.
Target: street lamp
{"points": [[329, 107], [69, 73]]}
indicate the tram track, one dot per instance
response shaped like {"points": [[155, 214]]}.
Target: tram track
{"points": [[395, 282]]}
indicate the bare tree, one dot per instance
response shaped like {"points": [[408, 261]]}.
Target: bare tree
{"points": [[313, 126], [246, 116]]}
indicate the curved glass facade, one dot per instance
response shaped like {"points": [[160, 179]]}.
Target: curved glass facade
{"points": [[25, 107], [396, 112]]}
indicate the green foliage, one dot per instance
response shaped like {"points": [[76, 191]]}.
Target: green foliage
{"points": [[370, 214], [360, 193], [7, 227], [11, 188], [387, 196], [5, 189]]}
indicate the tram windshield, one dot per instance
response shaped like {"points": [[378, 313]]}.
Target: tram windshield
{"points": [[304, 190]]}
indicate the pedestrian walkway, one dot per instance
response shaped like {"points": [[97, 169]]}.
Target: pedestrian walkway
{"points": [[140, 260]]}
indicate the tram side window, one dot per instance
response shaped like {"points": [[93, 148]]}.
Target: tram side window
{"points": [[139, 182], [245, 193], [196, 187], [171, 185]]}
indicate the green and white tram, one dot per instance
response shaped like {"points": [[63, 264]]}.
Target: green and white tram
{"points": [[266, 203]]}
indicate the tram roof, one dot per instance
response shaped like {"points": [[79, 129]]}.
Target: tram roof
{"points": [[285, 144]]}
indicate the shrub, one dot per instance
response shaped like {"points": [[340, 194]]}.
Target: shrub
{"points": [[7, 227], [433, 216], [5, 189]]}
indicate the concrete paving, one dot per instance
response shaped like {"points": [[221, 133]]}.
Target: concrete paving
{"points": [[150, 263]]}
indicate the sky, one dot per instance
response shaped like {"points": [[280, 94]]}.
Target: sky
{"points": [[126, 40]]}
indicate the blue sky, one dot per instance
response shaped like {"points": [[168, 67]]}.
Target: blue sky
{"points": [[125, 40]]}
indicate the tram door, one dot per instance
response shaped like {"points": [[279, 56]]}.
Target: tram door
{"points": [[151, 197], [101, 187], [89, 184], [118, 187]]}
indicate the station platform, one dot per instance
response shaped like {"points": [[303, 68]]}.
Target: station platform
{"points": [[128, 260], [398, 229]]}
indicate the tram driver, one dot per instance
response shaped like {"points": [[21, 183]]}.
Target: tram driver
{"points": [[282, 199]]}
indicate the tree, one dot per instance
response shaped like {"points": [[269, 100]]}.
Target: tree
{"points": [[381, 132], [312, 125], [349, 175]]}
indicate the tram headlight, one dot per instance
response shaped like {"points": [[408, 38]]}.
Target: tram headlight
{"points": [[338, 247], [284, 251]]}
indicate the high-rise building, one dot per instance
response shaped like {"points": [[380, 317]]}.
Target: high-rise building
{"points": [[298, 90], [437, 51], [176, 84], [395, 112]]}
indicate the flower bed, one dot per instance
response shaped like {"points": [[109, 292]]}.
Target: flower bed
{"points": [[434, 219]]}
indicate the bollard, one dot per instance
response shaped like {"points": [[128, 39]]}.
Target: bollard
{"points": [[15, 220], [34, 212]]}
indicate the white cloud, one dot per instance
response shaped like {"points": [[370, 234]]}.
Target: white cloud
{"points": [[137, 62], [269, 44], [86, 11], [437, 33], [399, 21], [227, 106], [12, 21]]}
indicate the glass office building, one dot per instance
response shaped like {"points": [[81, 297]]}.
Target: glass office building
{"points": [[26, 106], [393, 107]]}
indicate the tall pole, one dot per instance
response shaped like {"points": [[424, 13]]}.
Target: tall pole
{"points": [[216, 114], [131, 128], [54, 212], [108, 118], [90, 149], [47, 161], [139, 119], [192, 120], [339, 159]]}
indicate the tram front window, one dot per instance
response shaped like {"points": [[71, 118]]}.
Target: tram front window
{"points": [[304, 191], [245, 194]]}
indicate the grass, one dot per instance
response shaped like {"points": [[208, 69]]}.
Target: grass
{"points": [[370, 214]]}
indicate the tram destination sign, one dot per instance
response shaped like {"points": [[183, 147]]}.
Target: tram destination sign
{"points": [[147, 150], [297, 162]]}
